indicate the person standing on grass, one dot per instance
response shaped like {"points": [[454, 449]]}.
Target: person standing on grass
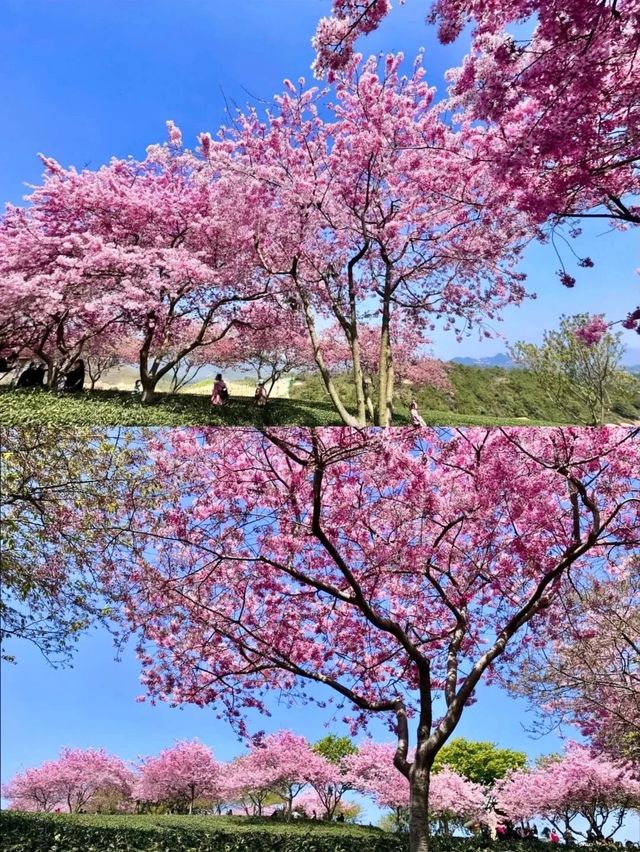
{"points": [[416, 419], [220, 393], [260, 396]]}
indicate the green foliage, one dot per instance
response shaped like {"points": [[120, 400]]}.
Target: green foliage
{"points": [[46, 474], [22, 832], [571, 371], [482, 762], [543, 761], [307, 407], [121, 408], [491, 396], [334, 748]]}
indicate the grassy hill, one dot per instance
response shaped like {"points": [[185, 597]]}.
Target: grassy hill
{"points": [[30, 832], [491, 392], [119, 408]]}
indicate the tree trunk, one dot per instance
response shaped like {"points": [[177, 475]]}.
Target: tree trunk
{"points": [[148, 383], [368, 396], [418, 810], [391, 379], [148, 378], [385, 376], [347, 418], [358, 378]]}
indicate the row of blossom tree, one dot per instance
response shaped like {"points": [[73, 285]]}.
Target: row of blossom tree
{"points": [[284, 768], [367, 211]]}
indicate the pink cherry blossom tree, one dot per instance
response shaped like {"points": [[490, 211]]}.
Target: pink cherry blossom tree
{"points": [[590, 676], [108, 352], [275, 765], [374, 212], [153, 244], [548, 92], [272, 344], [411, 365], [386, 568], [180, 775], [330, 780], [580, 784], [374, 774], [451, 797], [71, 781], [34, 789]]}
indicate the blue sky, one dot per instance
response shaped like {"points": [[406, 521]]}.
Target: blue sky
{"points": [[82, 82]]}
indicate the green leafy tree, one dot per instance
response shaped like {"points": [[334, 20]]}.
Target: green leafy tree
{"points": [[482, 762], [56, 487], [334, 748], [570, 368]]}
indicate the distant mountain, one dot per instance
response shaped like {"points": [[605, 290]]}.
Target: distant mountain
{"points": [[631, 360], [499, 360]]}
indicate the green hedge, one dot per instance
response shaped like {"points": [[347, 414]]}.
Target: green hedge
{"points": [[25, 832]]}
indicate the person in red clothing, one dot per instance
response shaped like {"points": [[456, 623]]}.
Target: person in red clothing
{"points": [[554, 837]]}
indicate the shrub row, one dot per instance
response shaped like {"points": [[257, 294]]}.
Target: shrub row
{"points": [[24, 832]]}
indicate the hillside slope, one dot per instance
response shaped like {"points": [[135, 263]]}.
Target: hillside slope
{"points": [[489, 391]]}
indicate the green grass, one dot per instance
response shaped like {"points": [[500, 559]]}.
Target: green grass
{"points": [[121, 408], [486, 396], [481, 397]]}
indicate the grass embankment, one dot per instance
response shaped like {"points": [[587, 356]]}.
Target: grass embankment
{"points": [[24, 832], [119, 408]]}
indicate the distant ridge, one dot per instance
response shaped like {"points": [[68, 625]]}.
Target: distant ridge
{"points": [[630, 361], [499, 360]]}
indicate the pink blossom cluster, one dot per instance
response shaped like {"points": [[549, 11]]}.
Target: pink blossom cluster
{"points": [[343, 522], [70, 782], [281, 764], [324, 212], [593, 330]]}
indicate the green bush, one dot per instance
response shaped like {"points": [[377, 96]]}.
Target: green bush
{"points": [[22, 832], [482, 396], [25, 832]]}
